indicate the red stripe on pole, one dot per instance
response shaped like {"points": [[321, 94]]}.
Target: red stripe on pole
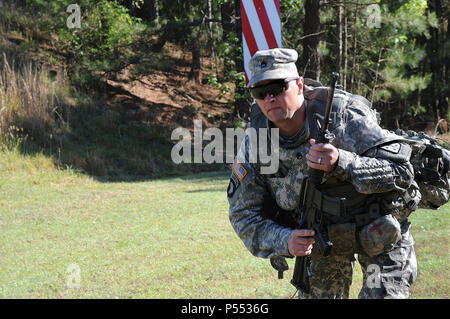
{"points": [[277, 4], [247, 31], [265, 24]]}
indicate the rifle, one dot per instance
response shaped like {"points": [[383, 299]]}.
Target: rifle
{"points": [[311, 215]]}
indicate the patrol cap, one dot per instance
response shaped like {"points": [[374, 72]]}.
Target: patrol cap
{"points": [[273, 64]]}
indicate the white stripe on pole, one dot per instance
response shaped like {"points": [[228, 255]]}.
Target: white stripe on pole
{"points": [[255, 25], [247, 55], [274, 18]]}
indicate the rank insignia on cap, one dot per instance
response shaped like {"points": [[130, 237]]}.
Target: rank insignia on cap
{"points": [[239, 170]]}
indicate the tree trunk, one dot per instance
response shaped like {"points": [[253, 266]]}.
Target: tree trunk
{"points": [[130, 6], [355, 51], [153, 12], [20, 3], [239, 59], [340, 41], [196, 67], [227, 12], [344, 81], [311, 29], [242, 106], [438, 90], [209, 9]]}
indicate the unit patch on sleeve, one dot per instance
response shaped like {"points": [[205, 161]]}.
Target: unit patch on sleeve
{"points": [[239, 170], [237, 175], [393, 148]]}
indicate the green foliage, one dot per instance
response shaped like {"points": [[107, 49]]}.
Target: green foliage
{"points": [[394, 64], [387, 63], [292, 14], [400, 55], [223, 87], [102, 41]]}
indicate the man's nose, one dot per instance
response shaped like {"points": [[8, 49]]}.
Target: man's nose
{"points": [[269, 98]]}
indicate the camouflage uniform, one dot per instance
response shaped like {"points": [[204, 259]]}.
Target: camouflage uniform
{"points": [[388, 275], [364, 162]]}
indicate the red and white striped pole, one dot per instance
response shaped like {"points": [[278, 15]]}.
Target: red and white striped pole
{"points": [[261, 28]]}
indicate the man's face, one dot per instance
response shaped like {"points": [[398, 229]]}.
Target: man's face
{"points": [[283, 106]]}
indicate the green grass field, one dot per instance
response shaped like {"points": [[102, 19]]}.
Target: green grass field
{"points": [[167, 238]]}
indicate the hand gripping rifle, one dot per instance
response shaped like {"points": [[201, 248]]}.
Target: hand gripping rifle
{"points": [[310, 213]]}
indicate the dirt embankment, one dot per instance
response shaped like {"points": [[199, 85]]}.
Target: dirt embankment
{"points": [[167, 97]]}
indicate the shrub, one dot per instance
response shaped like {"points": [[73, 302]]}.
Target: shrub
{"points": [[30, 99]]}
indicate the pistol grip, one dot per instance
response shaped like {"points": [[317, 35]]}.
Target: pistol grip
{"points": [[324, 243]]}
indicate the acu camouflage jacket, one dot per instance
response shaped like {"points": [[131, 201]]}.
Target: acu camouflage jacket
{"points": [[373, 160]]}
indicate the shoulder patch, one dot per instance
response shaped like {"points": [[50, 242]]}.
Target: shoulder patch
{"points": [[237, 175], [238, 170], [399, 152], [393, 148], [232, 187]]}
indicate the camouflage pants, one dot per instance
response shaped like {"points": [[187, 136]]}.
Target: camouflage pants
{"points": [[388, 275]]}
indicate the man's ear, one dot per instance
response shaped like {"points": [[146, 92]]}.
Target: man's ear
{"points": [[299, 83]]}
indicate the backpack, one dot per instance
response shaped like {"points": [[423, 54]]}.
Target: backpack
{"points": [[431, 163]]}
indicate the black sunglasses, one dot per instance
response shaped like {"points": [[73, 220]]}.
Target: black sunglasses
{"points": [[274, 88]]}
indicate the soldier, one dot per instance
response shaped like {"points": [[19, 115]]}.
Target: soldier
{"points": [[367, 170]]}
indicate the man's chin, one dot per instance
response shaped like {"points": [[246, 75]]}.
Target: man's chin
{"points": [[278, 119], [276, 115]]}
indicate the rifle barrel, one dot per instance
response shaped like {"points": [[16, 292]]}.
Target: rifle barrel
{"points": [[333, 80]]}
